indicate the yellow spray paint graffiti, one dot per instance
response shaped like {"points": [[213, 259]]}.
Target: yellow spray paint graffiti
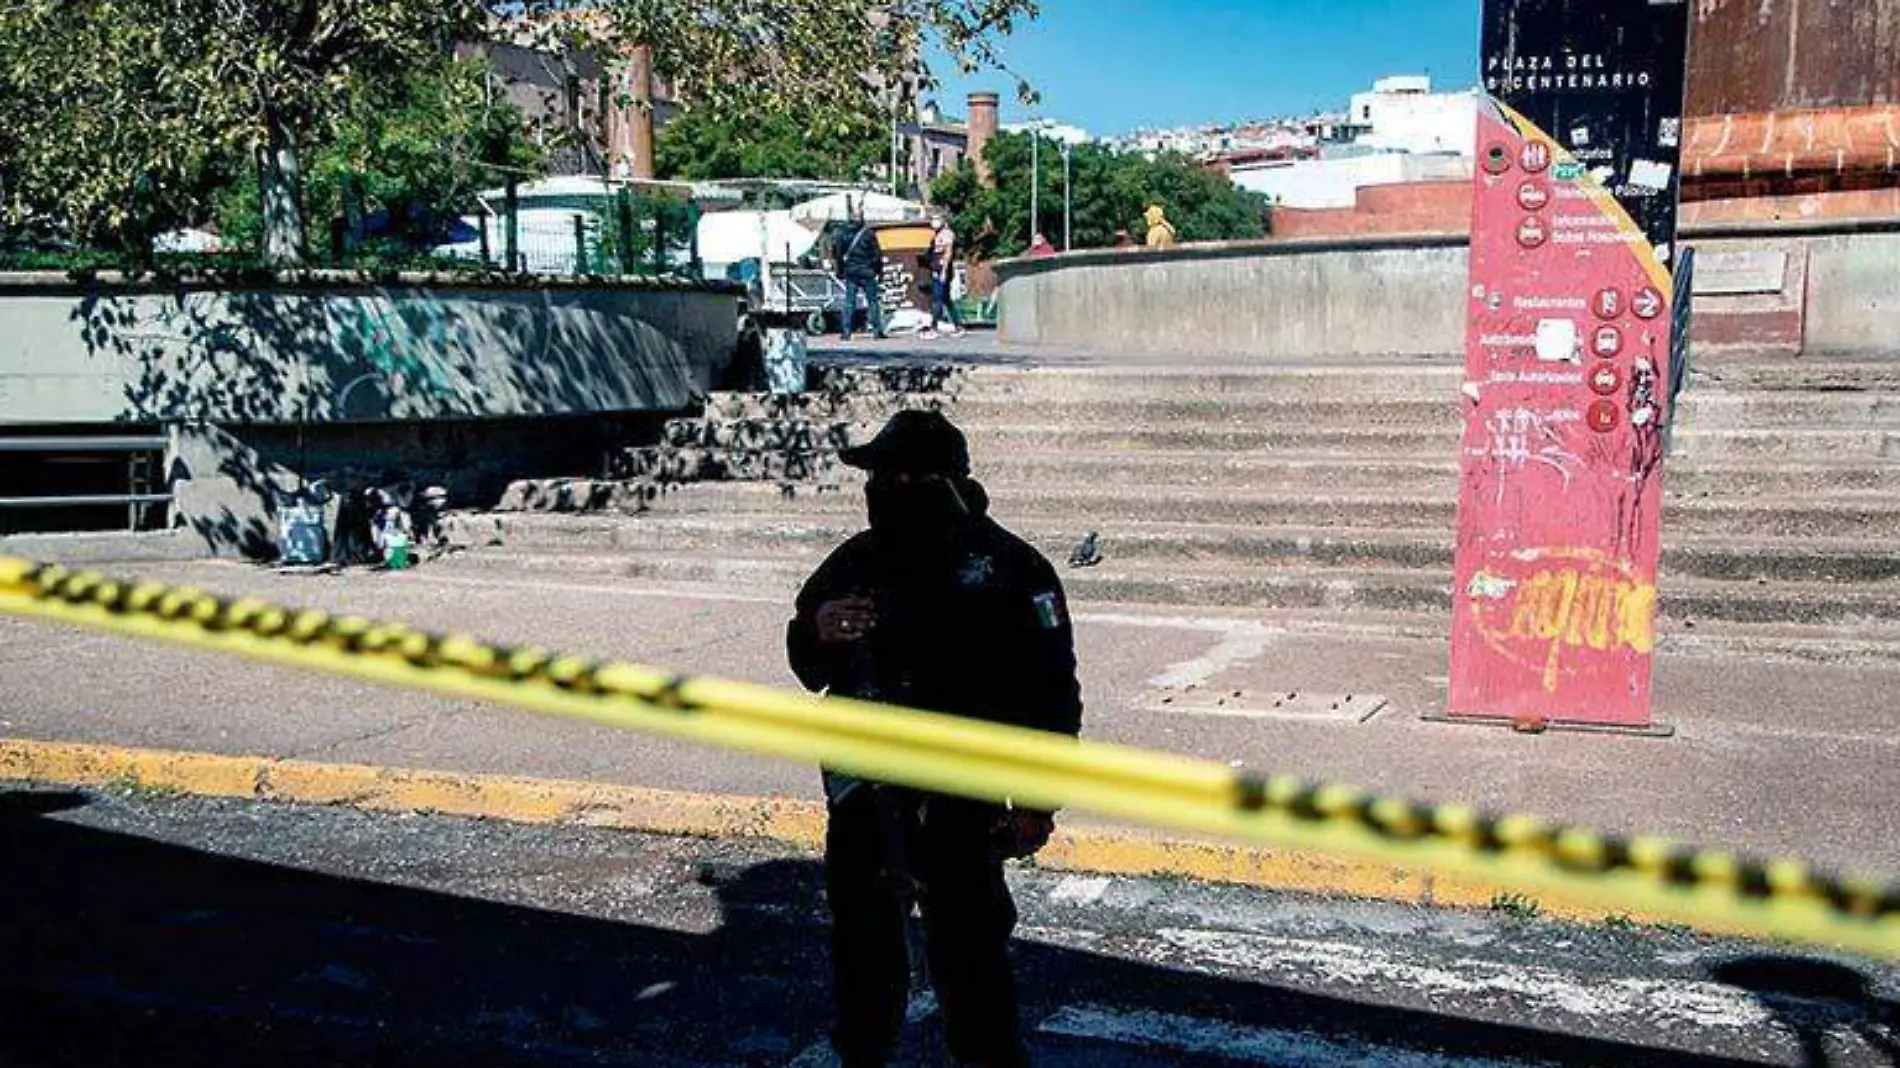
{"points": [[1552, 606]]}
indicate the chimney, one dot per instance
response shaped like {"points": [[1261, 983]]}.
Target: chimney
{"points": [[983, 124]]}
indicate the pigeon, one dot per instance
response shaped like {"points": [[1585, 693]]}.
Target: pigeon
{"points": [[1087, 552]]}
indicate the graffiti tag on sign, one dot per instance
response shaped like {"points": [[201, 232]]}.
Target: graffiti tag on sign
{"points": [[1561, 606]]}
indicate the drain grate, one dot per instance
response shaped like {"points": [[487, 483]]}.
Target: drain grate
{"points": [[1276, 704]]}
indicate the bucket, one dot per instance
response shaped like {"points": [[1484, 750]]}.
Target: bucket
{"points": [[785, 358]]}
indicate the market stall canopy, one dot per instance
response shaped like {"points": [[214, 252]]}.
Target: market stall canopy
{"points": [[730, 237], [839, 207], [587, 193]]}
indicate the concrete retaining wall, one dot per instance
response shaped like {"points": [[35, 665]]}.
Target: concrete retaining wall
{"points": [[339, 349], [1854, 294], [1266, 299], [1404, 295]]}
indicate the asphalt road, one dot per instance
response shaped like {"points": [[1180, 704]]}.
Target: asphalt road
{"points": [[154, 930]]}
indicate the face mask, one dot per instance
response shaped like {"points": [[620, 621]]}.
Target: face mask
{"points": [[918, 509]]}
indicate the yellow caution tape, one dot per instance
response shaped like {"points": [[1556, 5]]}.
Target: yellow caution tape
{"points": [[1783, 899]]}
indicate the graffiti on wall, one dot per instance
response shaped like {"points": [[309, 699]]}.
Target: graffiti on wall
{"points": [[403, 345], [1548, 609]]}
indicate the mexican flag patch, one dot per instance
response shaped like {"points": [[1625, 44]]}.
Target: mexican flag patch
{"points": [[1049, 610]]}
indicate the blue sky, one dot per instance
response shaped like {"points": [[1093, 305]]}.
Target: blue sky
{"points": [[1112, 65]]}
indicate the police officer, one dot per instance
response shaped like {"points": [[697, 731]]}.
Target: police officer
{"points": [[937, 607]]}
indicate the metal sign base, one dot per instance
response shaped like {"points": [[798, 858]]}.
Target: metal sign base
{"points": [[1650, 730]]}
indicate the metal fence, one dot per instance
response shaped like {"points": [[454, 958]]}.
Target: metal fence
{"points": [[569, 226], [617, 233]]}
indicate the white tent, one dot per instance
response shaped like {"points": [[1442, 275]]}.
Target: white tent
{"points": [[838, 207], [586, 191], [730, 237], [188, 240]]}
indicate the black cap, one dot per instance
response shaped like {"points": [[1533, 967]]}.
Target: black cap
{"points": [[920, 442]]}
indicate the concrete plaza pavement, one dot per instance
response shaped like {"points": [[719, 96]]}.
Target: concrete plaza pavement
{"points": [[1779, 757]]}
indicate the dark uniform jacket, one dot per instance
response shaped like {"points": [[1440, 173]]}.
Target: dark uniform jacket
{"points": [[977, 627], [857, 253]]}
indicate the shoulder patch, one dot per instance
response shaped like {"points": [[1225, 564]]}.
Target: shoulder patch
{"points": [[1051, 614], [976, 570]]}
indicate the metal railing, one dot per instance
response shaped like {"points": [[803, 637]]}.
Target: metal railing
{"points": [[144, 490]]}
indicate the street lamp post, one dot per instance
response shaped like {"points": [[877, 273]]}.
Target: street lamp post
{"points": [[1035, 181], [1068, 199], [896, 102]]}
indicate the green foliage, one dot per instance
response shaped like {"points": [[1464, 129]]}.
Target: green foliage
{"points": [[1517, 906], [118, 115], [702, 145], [120, 118], [1111, 193], [818, 59], [418, 148], [637, 236]]}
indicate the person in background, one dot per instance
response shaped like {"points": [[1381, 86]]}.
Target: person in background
{"points": [[942, 260], [1041, 247], [1160, 231], [860, 262], [935, 607]]}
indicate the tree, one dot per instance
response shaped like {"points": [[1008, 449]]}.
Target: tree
{"points": [[415, 149], [102, 98], [703, 145], [115, 92], [815, 59], [1112, 190]]}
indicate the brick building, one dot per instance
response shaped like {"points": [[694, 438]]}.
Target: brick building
{"points": [[572, 104], [1793, 113]]}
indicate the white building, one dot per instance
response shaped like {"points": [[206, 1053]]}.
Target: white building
{"points": [[1402, 114], [1334, 181]]}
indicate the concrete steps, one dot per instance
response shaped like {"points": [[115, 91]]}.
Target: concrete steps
{"points": [[1683, 477], [1084, 507], [1442, 411], [763, 534], [1793, 445], [1326, 491], [1867, 612]]}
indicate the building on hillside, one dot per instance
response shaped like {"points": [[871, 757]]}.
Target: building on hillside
{"points": [[1332, 178], [935, 144], [1398, 133], [1402, 114]]}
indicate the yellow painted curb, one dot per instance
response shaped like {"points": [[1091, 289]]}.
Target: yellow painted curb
{"points": [[1092, 850], [379, 789]]}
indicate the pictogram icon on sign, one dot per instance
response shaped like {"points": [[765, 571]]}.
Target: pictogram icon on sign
{"points": [[1609, 341], [1532, 232], [1533, 195], [1608, 303], [1647, 303], [1603, 416], [1497, 159], [1535, 157], [1606, 380]]}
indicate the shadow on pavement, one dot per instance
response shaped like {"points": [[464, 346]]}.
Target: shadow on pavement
{"points": [[123, 950], [1813, 998]]}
